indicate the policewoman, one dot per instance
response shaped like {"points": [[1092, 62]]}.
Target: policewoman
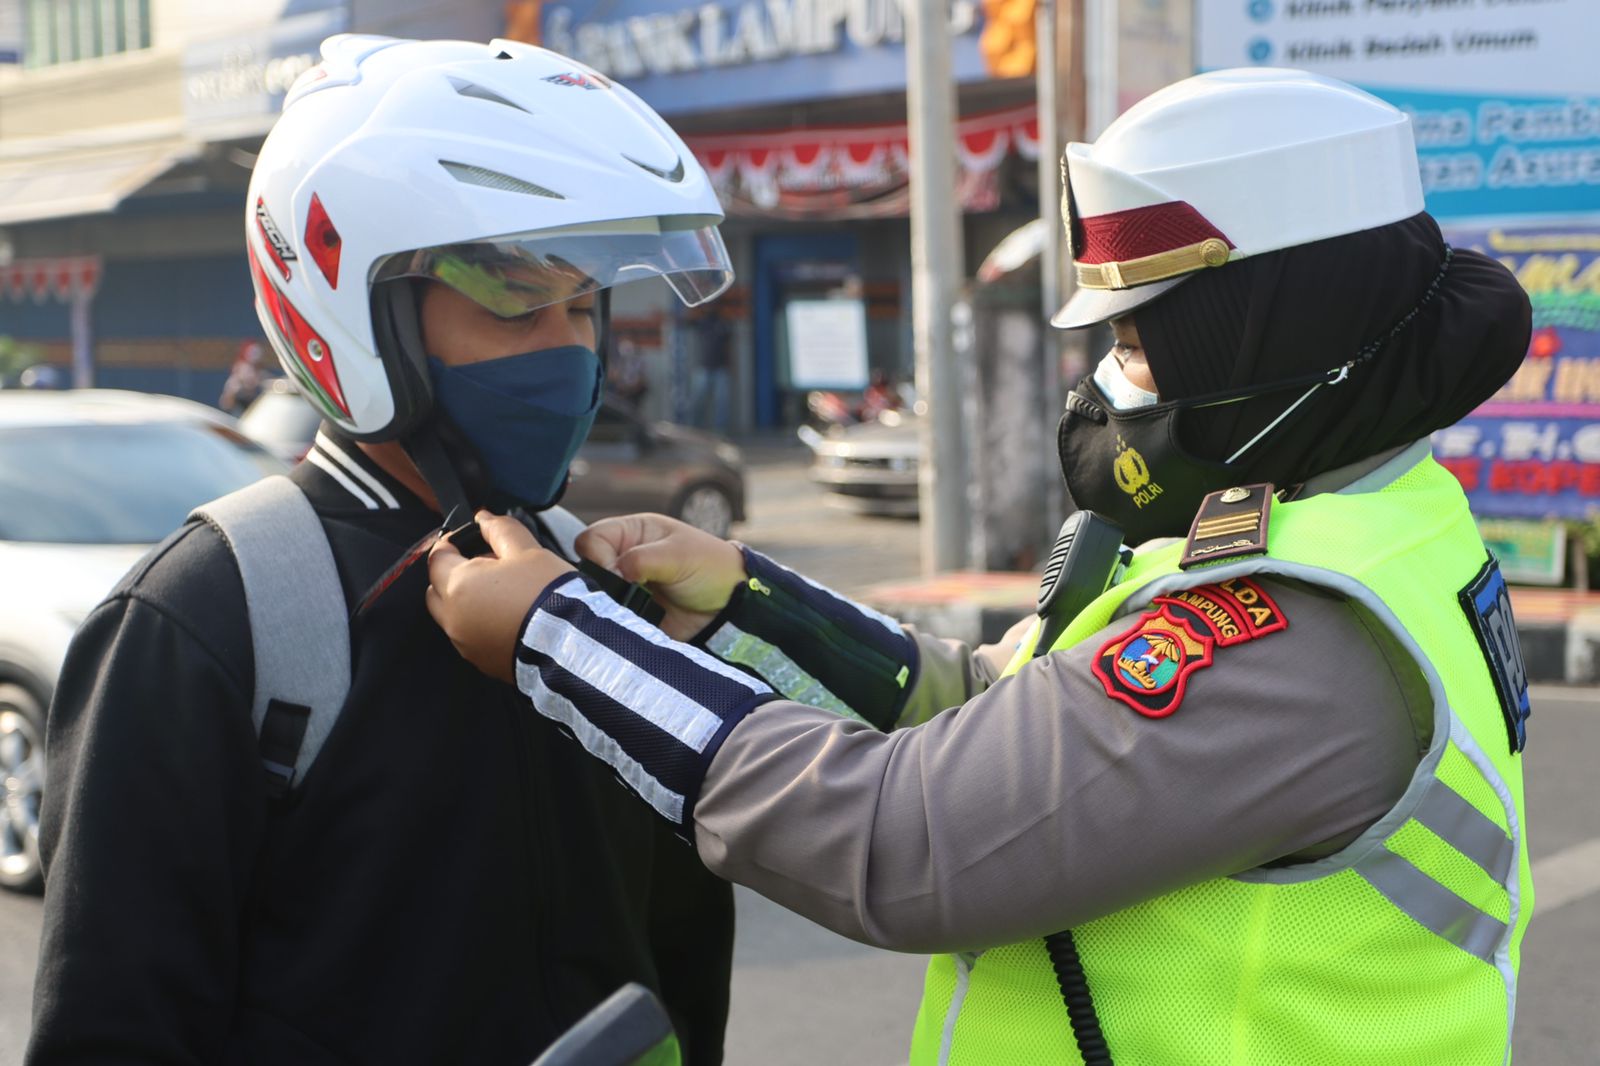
{"points": [[1258, 801]]}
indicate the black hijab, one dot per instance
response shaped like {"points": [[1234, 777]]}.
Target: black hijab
{"points": [[1442, 333]]}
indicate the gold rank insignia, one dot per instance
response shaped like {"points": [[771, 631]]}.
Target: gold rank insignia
{"points": [[1230, 524]]}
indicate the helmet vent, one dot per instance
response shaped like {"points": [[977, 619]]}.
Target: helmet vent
{"points": [[478, 92], [493, 179], [674, 175]]}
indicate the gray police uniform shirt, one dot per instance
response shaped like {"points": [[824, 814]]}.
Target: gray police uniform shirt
{"points": [[1032, 803]]}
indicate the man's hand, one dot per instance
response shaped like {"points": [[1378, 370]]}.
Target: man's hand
{"points": [[689, 572], [481, 603]]}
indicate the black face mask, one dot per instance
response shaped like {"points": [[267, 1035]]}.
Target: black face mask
{"points": [[1128, 465]]}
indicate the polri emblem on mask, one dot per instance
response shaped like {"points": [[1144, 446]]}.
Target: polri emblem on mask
{"points": [[1132, 475]]}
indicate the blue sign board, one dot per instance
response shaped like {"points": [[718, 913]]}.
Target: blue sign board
{"points": [[682, 57], [1533, 451], [1502, 94]]}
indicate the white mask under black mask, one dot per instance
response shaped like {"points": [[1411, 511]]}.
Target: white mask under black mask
{"points": [[1123, 394]]}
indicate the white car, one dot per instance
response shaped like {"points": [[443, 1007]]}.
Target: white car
{"points": [[89, 481], [870, 467]]}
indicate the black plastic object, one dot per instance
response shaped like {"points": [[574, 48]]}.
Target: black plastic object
{"points": [[469, 541], [629, 1029], [1082, 565], [1083, 562], [1074, 987], [632, 596]]}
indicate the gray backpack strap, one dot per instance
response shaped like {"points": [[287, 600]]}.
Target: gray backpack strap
{"points": [[564, 526], [299, 622]]}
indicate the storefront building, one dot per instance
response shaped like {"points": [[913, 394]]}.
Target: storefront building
{"points": [[127, 134], [129, 128], [797, 110]]}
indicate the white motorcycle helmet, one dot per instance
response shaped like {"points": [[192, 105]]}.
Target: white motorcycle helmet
{"points": [[502, 170]]}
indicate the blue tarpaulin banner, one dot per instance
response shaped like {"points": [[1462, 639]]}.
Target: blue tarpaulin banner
{"points": [[1533, 451]]}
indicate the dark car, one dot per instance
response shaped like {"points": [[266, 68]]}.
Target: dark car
{"points": [[626, 465]]}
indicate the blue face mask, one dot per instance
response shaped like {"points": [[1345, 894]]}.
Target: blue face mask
{"points": [[525, 414]]}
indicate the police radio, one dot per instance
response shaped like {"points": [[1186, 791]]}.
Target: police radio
{"points": [[1087, 555], [1082, 565]]}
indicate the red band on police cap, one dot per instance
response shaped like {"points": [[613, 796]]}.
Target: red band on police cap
{"points": [[1143, 231]]}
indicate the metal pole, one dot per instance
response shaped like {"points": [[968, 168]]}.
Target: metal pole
{"points": [[1047, 23], [82, 341], [1100, 66], [936, 269]]}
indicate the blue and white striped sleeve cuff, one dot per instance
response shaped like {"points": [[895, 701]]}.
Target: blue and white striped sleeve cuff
{"points": [[813, 645], [654, 710]]}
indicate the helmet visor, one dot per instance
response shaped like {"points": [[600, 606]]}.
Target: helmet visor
{"points": [[522, 272]]}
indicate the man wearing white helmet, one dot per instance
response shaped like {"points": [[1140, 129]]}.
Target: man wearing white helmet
{"points": [[432, 231], [1256, 797]]}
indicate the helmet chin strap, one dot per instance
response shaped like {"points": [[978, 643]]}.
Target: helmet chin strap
{"points": [[446, 465], [426, 449]]}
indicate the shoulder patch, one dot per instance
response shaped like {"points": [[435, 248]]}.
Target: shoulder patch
{"points": [[1148, 666], [1230, 524], [1234, 611], [1488, 606]]}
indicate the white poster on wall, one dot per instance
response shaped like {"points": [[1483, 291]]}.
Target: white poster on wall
{"points": [[827, 344]]}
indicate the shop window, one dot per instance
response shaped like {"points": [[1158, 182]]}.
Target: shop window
{"points": [[65, 31]]}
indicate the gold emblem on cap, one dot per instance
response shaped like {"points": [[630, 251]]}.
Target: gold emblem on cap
{"points": [[1126, 273], [1235, 495]]}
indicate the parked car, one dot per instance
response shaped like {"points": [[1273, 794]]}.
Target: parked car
{"points": [[629, 464], [626, 465], [869, 467], [89, 480]]}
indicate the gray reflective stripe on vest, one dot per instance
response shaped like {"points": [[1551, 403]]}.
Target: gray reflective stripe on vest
{"points": [[964, 962], [299, 621], [1432, 905], [1447, 728], [1466, 829]]}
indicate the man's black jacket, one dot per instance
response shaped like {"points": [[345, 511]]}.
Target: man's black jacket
{"points": [[453, 882]]}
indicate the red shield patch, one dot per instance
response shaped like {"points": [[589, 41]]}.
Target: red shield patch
{"points": [[1148, 666]]}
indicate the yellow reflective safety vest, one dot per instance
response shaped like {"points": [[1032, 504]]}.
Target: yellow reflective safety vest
{"points": [[1400, 950]]}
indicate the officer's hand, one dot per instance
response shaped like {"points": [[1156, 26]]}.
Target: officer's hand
{"points": [[689, 572], [481, 603]]}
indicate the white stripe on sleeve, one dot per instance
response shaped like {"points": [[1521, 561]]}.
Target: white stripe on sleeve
{"points": [[609, 673], [598, 743], [612, 611]]}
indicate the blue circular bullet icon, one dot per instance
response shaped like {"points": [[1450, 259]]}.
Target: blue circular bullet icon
{"points": [[1260, 10], [1260, 50]]}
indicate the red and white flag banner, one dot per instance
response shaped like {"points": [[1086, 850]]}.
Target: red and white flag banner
{"points": [[855, 171], [66, 279]]}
